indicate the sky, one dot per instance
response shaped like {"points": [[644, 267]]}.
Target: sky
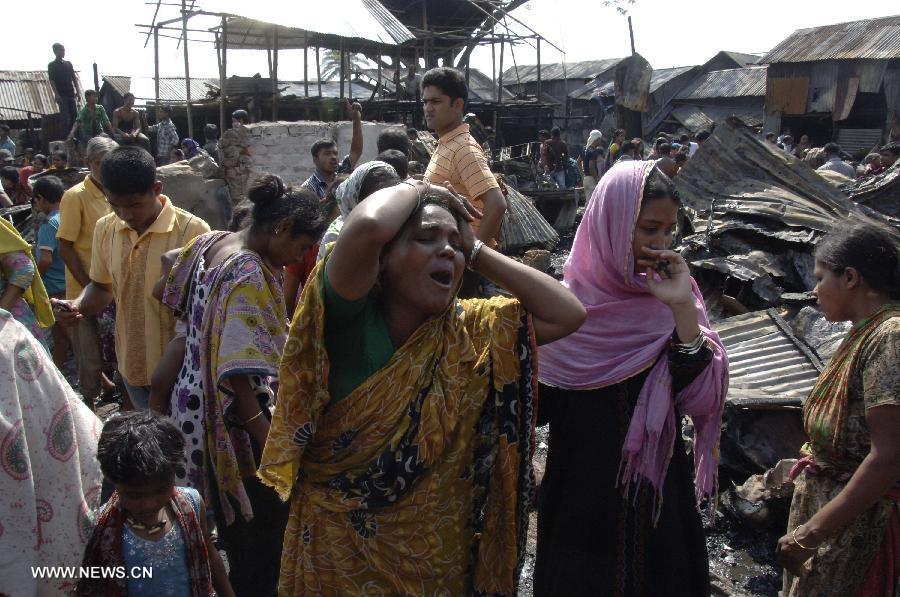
{"points": [[667, 33]]}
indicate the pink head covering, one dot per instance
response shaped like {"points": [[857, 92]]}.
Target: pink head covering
{"points": [[626, 331]]}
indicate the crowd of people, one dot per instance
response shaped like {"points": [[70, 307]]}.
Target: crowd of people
{"points": [[324, 392]]}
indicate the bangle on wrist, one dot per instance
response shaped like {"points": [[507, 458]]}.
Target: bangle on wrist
{"points": [[254, 417], [473, 254], [691, 347], [800, 545]]}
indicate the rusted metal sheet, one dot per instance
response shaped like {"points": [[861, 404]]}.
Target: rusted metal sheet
{"points": [[734, 82], [23, 91], [768, 366], [588, 69], [875, 39], [853, 140], [787, 95], [633, 83]]}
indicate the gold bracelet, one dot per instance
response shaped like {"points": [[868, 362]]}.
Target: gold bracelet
{"points": [[800, 545], [254, 417]]}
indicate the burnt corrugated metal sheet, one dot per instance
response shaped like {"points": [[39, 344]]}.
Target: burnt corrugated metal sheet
{"points": [[171, 89], [353, 24], [524, 226], [587, 69], [734, 82], [481, 87], [767, 365], [874, 39], [701, 118], [27, 90], [741, 58], [605, 84]]}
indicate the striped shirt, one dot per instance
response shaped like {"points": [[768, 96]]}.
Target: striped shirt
{"points": [[459, 160]]}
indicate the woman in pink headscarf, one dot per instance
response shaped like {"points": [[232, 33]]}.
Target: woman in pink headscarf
{"points": [[618, 509]]}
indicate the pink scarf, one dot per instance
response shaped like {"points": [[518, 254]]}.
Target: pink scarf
{"points": [[628, 330]]}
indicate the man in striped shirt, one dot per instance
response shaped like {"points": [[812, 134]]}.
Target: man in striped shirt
{"points": [[458, 159]]}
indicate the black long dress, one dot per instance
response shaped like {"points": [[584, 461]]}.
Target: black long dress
{"points": [[591, 539]]}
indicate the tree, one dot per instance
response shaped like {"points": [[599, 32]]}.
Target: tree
{"points": [[331, 65]]}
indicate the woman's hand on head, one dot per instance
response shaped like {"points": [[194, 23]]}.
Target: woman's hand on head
{"points": [[673, 286], [463, 208]]}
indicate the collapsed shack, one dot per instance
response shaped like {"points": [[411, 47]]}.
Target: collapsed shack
{"points": [[756, 215]]}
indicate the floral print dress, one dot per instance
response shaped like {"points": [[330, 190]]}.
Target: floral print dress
{"points": [[18, 270]]}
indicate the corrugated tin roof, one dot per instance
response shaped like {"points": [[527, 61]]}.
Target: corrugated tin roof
{"points": [[877, 39], [171, 89], [661, 76], [355, 24], [742, 58], [554, 72], [767, 365], [734, 82], [27, 90]]}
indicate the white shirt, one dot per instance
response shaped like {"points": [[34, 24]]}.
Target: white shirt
{"points": [[835, 164]]}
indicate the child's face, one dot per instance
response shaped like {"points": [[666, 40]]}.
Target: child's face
{"points": [[42, 205], [57, 163], [144, 502]]}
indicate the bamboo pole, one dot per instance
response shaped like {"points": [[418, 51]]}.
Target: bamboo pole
{"points": [[305, 66], [318, 71], [187, 70], [275, 78], [223, 76], [156, 63]]}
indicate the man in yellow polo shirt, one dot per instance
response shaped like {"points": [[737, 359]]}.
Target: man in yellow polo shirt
{"points": [[125, 264], [459, 160], [80, 209]]}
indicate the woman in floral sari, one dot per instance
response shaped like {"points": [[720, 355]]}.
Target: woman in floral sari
{"points": [[228, 286], [844, 528], [403, 433]]}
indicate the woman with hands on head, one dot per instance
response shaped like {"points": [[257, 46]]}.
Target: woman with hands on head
{"points": [[403, 433], [618, 508]]}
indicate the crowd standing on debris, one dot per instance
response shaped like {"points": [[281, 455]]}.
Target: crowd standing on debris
{"points": [[340, 392]]}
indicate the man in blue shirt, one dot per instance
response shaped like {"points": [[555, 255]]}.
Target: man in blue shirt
{"points": [[325, 155], [47, 192], [5, 142]]}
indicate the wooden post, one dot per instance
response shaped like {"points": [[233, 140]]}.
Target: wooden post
{"points": [[187, 69], [318, 71], [500, 75], [223, 101], [397, 74], [538, 69], [275, 78], [305, 67], [426, 46], [493, 63], [156, 63], [342, 70], [96, 79], [631, 34], [467, 71]]}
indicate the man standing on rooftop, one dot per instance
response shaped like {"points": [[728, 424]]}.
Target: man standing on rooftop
{"points": [[65, 86]]}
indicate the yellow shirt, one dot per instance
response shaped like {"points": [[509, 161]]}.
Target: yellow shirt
{"points": [[131, 265], [80, 209], [459, 160]]}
